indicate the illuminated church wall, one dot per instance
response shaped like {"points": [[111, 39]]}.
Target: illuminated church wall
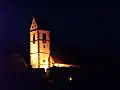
{"points": [[44, 44], [39, 47], [33, 49], [44, 47]]}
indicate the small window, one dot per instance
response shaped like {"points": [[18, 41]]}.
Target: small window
{"points": [[44, 46], [34, 39], [43, 60]]}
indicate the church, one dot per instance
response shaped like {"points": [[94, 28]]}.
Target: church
{"points": [[40, 53]]}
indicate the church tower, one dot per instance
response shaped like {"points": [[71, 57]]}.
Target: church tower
{"points": [[39, 46]]}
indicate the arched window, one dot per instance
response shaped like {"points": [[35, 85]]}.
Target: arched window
{"points": [[44, 38], [33, 38]]}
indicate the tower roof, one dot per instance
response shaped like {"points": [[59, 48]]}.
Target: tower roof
{"points": [[38, 23], [34, 24]]}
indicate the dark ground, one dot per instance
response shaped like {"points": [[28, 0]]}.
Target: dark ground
{"points": [[99, 71], [35, 81], [95, 80]]}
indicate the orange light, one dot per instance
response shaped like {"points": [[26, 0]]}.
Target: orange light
{"points": [[62, 65]]}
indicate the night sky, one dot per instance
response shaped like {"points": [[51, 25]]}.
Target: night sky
{"points": [[85, 32], [71, 23]]}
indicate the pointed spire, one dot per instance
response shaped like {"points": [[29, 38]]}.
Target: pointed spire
{"points": [[33, 25]]}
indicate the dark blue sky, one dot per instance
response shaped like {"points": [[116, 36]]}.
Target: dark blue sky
{"points": [[90, 25]]}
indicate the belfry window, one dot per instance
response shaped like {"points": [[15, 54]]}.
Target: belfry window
{"points": [[44, 38], [34, 39]]}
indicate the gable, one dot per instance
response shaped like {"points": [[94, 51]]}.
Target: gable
{"points": [[33, 25]]}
